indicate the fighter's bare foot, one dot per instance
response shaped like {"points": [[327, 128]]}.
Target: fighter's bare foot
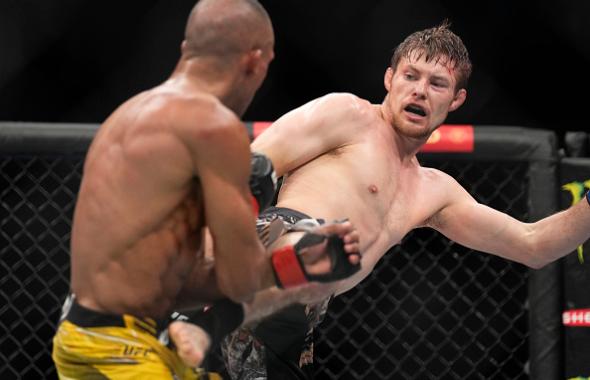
{"points": [[191, 341], [316, 258]]}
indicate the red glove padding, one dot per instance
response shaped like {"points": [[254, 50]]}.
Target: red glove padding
{"points": [[290, 271]]}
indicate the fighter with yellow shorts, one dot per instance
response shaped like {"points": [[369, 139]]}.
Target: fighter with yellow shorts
{"points": [[92, 345]]}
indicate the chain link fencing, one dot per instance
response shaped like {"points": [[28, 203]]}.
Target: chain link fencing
{"points": [[432, 309]]}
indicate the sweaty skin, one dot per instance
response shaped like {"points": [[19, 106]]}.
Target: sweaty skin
{"points": [[138, 223], [169, 162], [346, 157], [166, 180], [343, 157], [362, 178]]}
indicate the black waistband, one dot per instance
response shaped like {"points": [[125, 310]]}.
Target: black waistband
{"points": [[84, 317], [288, 214]]}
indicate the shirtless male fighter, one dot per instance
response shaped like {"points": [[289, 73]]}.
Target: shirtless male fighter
{"points": [[167, 163], [342, 156]]}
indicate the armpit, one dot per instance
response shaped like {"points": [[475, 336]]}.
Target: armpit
{"points": [[433, 222]]}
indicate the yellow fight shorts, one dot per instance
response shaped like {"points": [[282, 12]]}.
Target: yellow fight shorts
{"points": [[91, 345]]}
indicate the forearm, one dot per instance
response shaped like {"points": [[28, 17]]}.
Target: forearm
{"points": [[248, 271], [559, 234], [241, 262]]}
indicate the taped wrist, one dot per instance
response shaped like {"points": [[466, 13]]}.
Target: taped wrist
{"points": [[220, 319]]}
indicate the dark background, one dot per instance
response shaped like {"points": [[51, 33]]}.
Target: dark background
{"points": [[76, 60]]}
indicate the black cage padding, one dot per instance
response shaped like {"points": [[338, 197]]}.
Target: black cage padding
{"points": [[576, 270]]}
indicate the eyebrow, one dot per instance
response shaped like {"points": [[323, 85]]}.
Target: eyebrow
{"points": [[413, 67], [440, 78], [436, 77]]}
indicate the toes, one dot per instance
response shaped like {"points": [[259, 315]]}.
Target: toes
{"points": [[354, 259], [352, 248], [351, 237]]}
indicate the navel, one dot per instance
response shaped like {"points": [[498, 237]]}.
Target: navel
{"points": [[373, 189]]}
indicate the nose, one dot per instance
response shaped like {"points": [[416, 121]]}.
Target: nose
{"points": [[420, 89]]}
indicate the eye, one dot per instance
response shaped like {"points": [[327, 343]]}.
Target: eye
{"points": [[439, 84], [409, 76]]}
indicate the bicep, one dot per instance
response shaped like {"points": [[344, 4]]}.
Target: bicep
{"points": [[289, 142], [304, 133], [482, 228]]}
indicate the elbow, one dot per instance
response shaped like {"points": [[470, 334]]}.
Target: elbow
{"points": [[533, 256], [536, 264]]}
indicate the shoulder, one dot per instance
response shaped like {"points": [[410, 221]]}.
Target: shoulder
{"points": [[205, 114], [442, 188], [201, 118], [198, 123], [344, 103], [342, 98], [337, 109], [434, 189], [443, 184], [431, 175]]}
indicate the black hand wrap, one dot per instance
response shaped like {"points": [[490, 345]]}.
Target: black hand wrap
{"points": [[263, 180], [223, 317], [289, 268]]}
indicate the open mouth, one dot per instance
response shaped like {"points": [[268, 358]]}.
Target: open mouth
{"points": [[415, 109]]}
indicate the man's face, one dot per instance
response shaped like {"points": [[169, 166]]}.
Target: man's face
{"points": [[421, 94]]}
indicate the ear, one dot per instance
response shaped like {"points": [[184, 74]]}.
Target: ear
{"points": [[387, 78], [252, 61], [458, 100]]}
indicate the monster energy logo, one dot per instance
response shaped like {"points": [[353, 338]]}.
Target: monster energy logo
{"points": [[577, 190]]}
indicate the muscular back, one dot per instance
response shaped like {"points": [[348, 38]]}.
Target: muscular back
{"points": [[137, 224]]}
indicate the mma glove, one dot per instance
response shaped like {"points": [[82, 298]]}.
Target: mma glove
{"points": [[289, 269], [263, 181]]}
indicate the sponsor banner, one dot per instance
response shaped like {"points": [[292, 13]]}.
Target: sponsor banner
{"points": [[259, 126], [451, 138], [576, 318], [446, 139]]}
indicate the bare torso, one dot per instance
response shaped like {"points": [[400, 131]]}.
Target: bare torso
{"points": [[367, 182], [137, 226]]}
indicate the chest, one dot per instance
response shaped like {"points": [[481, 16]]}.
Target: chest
{"points": [[403, 194]]}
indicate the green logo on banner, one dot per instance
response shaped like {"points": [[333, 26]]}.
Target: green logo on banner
{"points": [[577, 190]]}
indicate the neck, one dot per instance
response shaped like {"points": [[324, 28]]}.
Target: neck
{"points": [[204, 75], [407, 146]]}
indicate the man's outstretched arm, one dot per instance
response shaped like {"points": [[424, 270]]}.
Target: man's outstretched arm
{"points": [[536, 244]]}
